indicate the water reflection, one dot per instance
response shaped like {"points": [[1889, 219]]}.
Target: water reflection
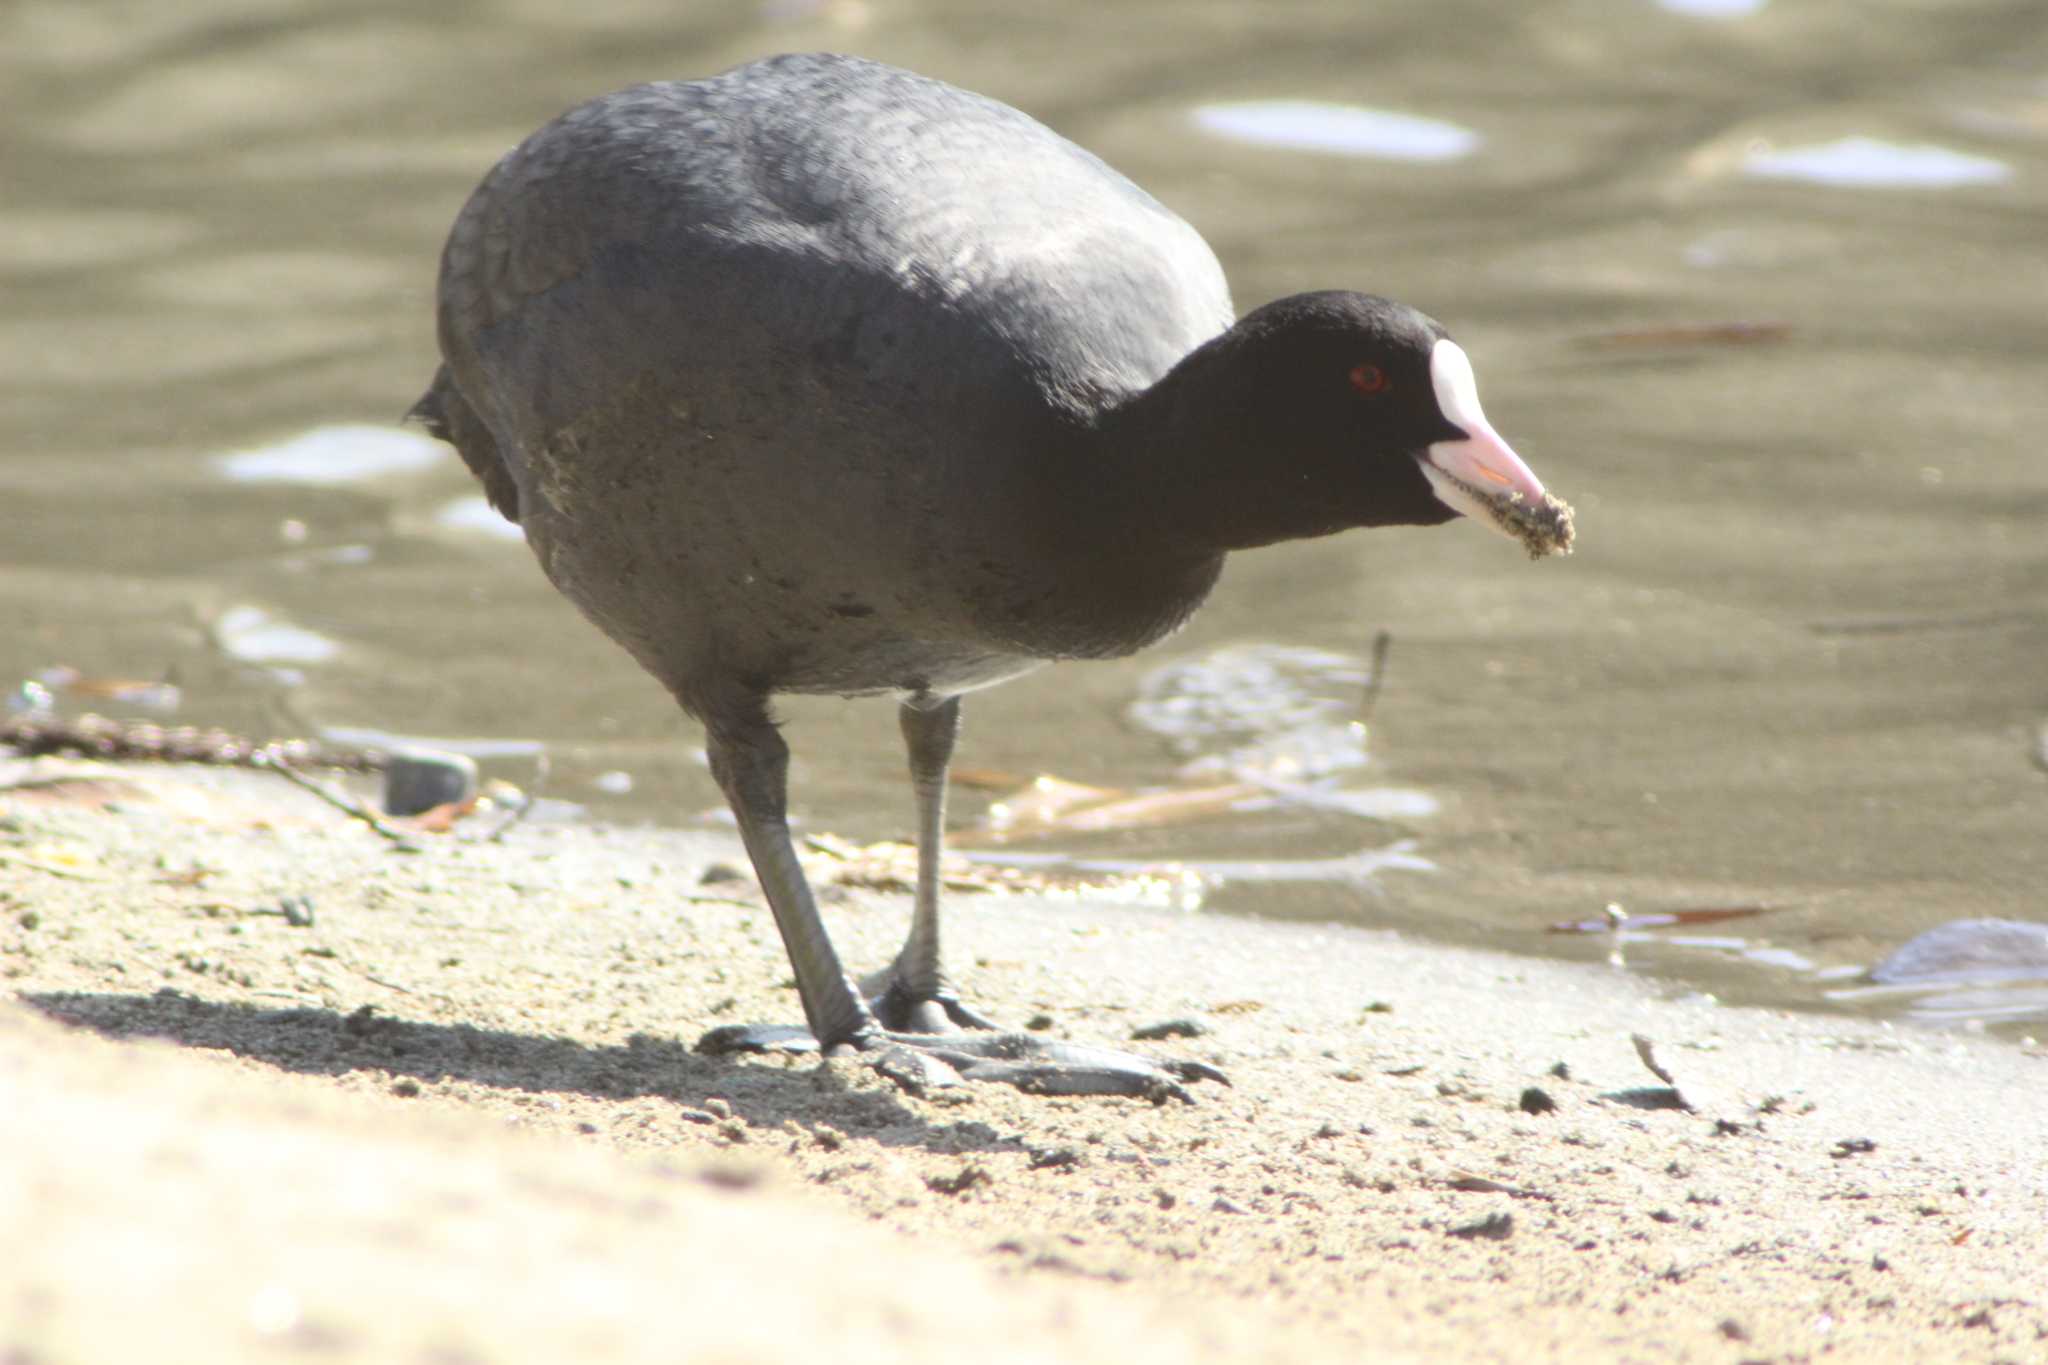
{"points": [[1713, 9], [353, 453], [253, 635], [2013, 1004], [1867, 163], [475, 514], [1346, 129], [1199, 876], [1259, 711], [368, 737]]}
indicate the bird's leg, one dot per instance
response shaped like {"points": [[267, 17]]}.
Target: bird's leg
{"points": [[914, 997], [751, 763], [913, 994]]}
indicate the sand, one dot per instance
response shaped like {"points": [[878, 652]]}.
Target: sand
{"points": [[456, 1118]]}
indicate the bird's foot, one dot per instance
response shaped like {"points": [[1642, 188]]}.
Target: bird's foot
{"points": [[920, 1062], [899, 1009], [1037, 1066], [728, 1039]]}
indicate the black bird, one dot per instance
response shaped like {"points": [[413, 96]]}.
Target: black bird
{"points": [[821, 376]]}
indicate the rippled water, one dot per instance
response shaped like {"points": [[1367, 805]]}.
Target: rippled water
{"points": [[1759, 287], [1866, 163], [1338, 128]]}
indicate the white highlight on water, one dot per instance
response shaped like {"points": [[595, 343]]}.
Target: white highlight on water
{"points": [[1868, 163], [1343, 129], [347, 453], [255, 636], [1713, 9], [476, 514]]}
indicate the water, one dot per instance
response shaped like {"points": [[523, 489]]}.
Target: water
{"points": [[1759, 288], [1344, 129], [1866, 163]]}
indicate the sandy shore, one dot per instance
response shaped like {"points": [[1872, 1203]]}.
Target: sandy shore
{"points": [[456, 1118]]}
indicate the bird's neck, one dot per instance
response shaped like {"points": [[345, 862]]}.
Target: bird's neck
{"points": [[1197, 469]]}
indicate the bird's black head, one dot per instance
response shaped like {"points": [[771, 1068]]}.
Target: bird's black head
{"points": [[1329, 410]]}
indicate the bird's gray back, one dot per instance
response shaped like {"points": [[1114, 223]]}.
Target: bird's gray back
{"points": [[801, 341], [837, 200]]}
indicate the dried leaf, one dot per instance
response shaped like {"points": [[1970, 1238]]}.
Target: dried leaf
{"points": [[983, 779], [1662, 919], [891, 868], [156, 696], [439, 819], [1052, 806]]}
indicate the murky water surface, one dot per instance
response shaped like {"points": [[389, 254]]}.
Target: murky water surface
{"points": [[1760, 287]]}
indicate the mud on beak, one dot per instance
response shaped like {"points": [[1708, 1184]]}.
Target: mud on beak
{"points": [[1479, 475]]}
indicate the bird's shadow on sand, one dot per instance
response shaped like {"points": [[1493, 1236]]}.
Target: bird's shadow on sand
{"points": [[323, 1042]]}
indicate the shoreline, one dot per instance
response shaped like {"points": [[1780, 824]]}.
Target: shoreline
{"points": [[275, 1135]]}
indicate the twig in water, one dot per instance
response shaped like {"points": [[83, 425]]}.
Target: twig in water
{"points": [[1381, 643]]}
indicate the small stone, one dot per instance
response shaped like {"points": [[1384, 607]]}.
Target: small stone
{"points": [[965, 1179], [1536, 1100], [417, 780], [1494, 1227], [1055, 1158]]}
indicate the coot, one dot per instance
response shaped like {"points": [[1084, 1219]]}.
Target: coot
{"points": [[821, 376]]}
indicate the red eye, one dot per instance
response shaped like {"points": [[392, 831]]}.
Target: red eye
{"points": [[1369, 379]]}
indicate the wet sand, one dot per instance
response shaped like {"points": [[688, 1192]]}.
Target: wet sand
{"points": [[455, 1118]]}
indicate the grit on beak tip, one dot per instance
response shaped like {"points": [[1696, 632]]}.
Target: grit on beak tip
{"points": [[1478, 473]]}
